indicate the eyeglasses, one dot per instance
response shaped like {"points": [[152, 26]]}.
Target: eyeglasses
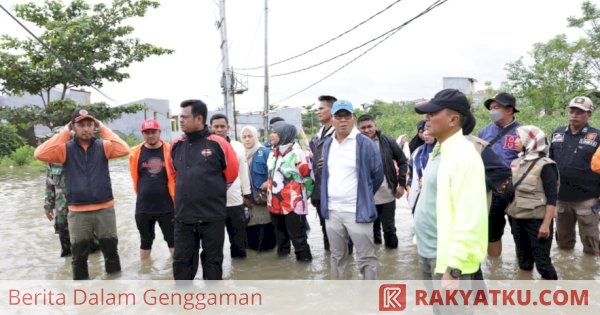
{"points": [[343, 117]]}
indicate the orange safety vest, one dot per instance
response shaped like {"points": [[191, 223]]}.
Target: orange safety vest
{"points": [[133, 167]]}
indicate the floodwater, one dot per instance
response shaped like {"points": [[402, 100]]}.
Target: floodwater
{"points": [[30, 249]]}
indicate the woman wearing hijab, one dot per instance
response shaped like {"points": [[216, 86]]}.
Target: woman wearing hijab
{"points": [[260, 231], [288, 189], [535, 182]]}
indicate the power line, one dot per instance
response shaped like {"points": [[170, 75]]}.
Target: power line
{"points": [[393, 30], [431, 7], [327, 42], [63, 62]]}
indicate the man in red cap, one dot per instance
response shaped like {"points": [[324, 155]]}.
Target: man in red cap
{"points": [[89, 191], [154, 183]]}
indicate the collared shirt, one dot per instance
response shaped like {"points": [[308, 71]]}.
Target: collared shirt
{"points": [[425, 211], [343, 169], [461, 203], [573, 155]]}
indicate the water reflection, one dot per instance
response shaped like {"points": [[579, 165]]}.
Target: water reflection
{"points": [[31, 249]]}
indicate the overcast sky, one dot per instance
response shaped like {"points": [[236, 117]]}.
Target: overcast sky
{"points": [[471, 38]]}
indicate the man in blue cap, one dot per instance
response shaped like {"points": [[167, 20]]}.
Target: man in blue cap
{"points": [[352, 173]]}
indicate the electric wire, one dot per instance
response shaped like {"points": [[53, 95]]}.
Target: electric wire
{"points": [[326, 42], [433, 6], [393, 30], [62, 61]]}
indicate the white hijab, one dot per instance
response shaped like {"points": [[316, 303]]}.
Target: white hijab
{"points": [[250, 152]]}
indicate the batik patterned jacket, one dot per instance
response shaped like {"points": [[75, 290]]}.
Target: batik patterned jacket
{"points": [[289, 183]]}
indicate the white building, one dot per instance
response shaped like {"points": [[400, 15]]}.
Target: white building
{"points": [[81, 97], [158, 109], [465, 85]]}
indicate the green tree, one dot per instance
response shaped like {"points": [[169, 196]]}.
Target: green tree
{"points": [[58, 113], [9, 139], [558, 73], [94, 44], [589, 23], [393, 118], [310, 119]]}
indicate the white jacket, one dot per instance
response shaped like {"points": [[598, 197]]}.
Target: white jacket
{"points": [[241, 186]]}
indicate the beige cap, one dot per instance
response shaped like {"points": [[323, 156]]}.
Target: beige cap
{"points": [[583, 103]]}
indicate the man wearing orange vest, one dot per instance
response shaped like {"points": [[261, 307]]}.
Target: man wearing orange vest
{"points": [[87, 181], [153, 178]]}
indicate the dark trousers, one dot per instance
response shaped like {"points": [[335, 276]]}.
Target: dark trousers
{"points": [[323, 228], [236, 230], [83, 225], [146, 222], [291, 227], [61, 227], [386, 217], [532, 250], [188, 238]]}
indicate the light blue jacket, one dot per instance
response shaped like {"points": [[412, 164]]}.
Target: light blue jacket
{"points": [[370, 176]]}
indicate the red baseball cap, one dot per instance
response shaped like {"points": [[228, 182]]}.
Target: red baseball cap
{"points": [[150, 124]]}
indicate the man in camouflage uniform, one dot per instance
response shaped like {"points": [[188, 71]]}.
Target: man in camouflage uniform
{"points": [[56, 207], [55, 201]]}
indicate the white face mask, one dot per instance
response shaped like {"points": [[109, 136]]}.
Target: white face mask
{"points": [[495, 115]]}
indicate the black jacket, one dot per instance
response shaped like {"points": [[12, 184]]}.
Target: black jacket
{"points": [[204, 164], [390, 153]]}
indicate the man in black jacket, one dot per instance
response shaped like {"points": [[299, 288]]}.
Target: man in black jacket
{"points": [[394, 166], [316, 147], [205, 165]]}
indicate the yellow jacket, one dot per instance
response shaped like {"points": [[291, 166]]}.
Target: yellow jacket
{"points": [[462, 216]]}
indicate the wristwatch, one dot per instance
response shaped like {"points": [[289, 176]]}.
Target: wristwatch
{"points": [[454, 272]]}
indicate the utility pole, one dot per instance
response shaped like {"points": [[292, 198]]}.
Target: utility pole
{"points": [[266, 116], [226, 81]]}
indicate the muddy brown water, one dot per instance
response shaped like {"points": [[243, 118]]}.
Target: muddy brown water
{"points": [[30, 249]]}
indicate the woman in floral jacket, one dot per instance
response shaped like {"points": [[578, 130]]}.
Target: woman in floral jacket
{"points": [[288, 188]]}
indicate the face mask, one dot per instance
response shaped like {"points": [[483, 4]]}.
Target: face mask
{"points": [[495, 115]]}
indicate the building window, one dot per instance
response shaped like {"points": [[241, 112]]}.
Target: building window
{"points": [[175, 123], [156, 116]]}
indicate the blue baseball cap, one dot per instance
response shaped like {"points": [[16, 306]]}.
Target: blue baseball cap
{"points": [[342, 105]]}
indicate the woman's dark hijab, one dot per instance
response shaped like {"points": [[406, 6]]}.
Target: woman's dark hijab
{"points": [[285, 131]]}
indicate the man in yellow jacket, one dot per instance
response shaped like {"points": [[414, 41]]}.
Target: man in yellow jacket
{"points": [[451, 215], [153, 178]]}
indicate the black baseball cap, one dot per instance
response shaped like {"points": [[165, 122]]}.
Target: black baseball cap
{"points": [[451, 99], [504, 99], [81, 114]]}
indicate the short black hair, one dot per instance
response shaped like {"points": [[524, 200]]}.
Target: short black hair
{"points": [[366, 117], [219, 116], [198, 108], [327, 98], [275, 119]]}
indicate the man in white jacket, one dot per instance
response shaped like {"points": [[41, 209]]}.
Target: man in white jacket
{"points": [[238, 195]]}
